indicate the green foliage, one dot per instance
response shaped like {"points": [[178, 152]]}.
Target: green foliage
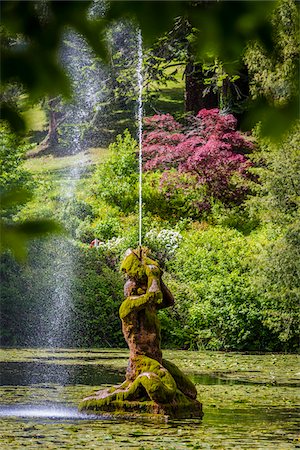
{"points": [[97, 293], [12, 156], [274, 72], [36, 64], [278, 265], [107, 228], [222, 312], [277, 168], [224, 31], [277, 272], [15, 191], [236, 284], [96, 290], [116, 180], [177, 198]]}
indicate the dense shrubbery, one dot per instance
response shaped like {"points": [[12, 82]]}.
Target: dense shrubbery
{"points": [[277, 204], [27, 295], [223, 311], [116, 179], [225, 286], [221, 214], [12, 154]]}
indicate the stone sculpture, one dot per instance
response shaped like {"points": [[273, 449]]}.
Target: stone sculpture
{"points": [[153, 385]]}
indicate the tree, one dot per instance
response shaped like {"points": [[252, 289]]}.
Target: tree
{"points": [[32, 60], [210, 150], [205, 83], [55, 117], [274, 74], [42, 26]]}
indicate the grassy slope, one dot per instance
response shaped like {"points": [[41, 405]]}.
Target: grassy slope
{"points": [[53, 163], [170, 98]]}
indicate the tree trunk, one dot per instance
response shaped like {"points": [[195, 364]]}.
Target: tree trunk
{"points": [[194, 90], [55, 119]]}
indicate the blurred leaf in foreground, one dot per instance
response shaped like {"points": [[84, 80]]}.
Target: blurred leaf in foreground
{"points": [[14, 236]]}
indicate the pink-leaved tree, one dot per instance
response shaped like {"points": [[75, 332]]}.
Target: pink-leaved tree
{"points": [[209, 149]]}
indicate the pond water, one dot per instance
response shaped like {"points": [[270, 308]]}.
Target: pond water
{"points": [[249, 402]]}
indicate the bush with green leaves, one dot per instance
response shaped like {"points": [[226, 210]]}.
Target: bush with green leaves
{"points": [[176, 198], [217, 298], [277, 277], [12, 156], [116, 180], [95, 290], [277, 205], [107, 228]]}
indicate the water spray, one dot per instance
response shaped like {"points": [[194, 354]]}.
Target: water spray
{"points": [[140, 130]]}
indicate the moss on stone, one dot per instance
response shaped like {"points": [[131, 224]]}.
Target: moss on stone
{"points": [[133, 266], [183, 383], [179, 407], [157, 381]]}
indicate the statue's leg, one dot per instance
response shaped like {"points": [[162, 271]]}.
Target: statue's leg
{"points": [[152, 380], [184, 384], [160, 386]]}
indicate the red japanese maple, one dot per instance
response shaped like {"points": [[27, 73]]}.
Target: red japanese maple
{"points": [[209, 148]]}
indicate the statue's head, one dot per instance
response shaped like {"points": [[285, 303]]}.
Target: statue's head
{"points": [[132, 264], [135, 263]]}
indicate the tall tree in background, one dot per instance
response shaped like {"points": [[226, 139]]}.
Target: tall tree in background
{"points": [[207, 85]]}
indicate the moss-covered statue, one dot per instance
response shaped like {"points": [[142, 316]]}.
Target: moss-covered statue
{"points": [[153, 385]]}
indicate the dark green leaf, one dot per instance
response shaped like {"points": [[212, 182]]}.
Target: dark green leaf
{"points": [[13, 117]]}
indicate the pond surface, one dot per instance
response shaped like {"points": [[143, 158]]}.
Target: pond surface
{"points": [[249, 402]]}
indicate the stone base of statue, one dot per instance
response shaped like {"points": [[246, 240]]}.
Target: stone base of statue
{"points": [[158, 389], [153, 386]]}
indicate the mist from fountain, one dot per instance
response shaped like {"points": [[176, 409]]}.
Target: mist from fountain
{"points": [[86, 74], [89, 81]]}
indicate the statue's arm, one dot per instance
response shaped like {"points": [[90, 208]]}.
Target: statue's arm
{"points": [[134, 303], [157, 293], [167, 297]]}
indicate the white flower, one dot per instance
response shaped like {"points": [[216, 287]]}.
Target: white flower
{"points": [[164, 241]]}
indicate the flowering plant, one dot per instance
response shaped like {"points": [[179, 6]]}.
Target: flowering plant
{"points": [[164, 242]]}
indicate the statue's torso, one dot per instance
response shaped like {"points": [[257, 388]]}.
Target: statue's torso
{"points": [[142, 333]]}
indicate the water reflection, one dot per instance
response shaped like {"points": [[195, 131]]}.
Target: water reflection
{"points": [[31, 373]]}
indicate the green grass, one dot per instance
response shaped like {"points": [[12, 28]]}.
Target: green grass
{"points": [[35, 118], [52, 163], [171, 96], [171, 100]]}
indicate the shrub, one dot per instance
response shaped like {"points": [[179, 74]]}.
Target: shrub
{"points": [[163, 243], [210, 151], [223, 310], [107, 228], [115, 181]]}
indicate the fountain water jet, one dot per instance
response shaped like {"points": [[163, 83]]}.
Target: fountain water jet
{"points": [[140, 129]]}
